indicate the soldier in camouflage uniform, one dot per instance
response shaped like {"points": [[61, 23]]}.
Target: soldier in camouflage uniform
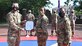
{"points": [[72, 18], [41, 28], [14, 20], [30, 17], [54, 21], [64, 32]]}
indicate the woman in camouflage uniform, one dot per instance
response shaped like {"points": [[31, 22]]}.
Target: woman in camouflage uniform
{"points": [[14, 20], [64, 32], [41, 26]]}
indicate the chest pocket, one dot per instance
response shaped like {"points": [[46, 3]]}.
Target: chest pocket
{"points": [[61, 24], [16, 18]]}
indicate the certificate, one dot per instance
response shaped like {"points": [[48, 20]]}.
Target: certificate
{"points": [[29, 25]]}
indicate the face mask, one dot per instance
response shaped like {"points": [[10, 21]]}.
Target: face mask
{"points": [[15, 8], [29, 12], [61, 15]]}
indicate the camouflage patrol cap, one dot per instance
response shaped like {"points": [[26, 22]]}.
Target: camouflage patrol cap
{"points": [[15, 5]]}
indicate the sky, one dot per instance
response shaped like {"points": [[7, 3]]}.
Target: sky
{"points": [[55, 4]]}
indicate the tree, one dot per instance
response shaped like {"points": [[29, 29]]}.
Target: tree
{"points": [[78, 12], [34, 5], [4, 9], [67, 2], [76, 7]]}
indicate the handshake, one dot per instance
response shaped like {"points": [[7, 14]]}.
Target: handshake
{"points": [[22, 29]]}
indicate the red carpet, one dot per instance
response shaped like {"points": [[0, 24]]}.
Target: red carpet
{"points": [[35, 38]]}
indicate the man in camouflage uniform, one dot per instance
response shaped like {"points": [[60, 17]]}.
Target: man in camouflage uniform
{"points": [[72, 18], [30, 17], [41, 28], [64, 32], [54, 21], [14, 20]]}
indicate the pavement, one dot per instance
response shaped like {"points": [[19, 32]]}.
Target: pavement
{"points": [[4, 31], [32, 40]]}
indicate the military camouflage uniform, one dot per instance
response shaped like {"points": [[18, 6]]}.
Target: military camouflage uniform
{"points": [[30, 17], [72, 20], [54, 22], [64, 32], [14, 20], [41, 31]]}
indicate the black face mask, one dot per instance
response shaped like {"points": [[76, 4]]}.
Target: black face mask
{"points": [[29, 12], [15, 7], [61, 15], [71, 12]]}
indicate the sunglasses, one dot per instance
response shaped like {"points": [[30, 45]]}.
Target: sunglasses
{"points": [[72, 12]]}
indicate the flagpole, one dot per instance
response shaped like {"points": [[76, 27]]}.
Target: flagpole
{"points": [[58, 6]]}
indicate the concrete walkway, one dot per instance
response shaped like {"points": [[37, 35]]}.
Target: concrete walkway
{"points": [[4, 29]]}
